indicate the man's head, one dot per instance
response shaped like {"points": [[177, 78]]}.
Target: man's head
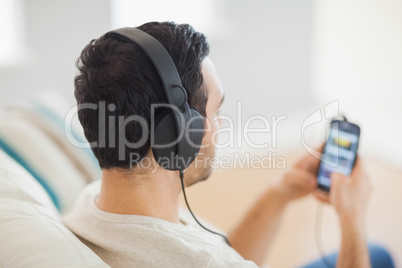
{"points": [[120, 77]]}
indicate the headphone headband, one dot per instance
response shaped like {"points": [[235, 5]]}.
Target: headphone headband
{"points": [[174, 91]]}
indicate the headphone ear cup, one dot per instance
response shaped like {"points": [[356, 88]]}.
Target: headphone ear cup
{"points": [[171, 153], [165, 133], [190, 144]]}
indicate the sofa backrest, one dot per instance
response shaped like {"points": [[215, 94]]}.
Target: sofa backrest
{"points": [[31, 231]]}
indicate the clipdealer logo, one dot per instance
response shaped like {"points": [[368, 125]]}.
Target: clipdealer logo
{"points": [[237, 131]]}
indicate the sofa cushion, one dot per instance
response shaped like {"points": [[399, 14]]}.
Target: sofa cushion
{"points": [[32, 234]]}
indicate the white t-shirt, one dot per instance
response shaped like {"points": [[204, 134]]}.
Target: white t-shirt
{"points": [[141, 241]]}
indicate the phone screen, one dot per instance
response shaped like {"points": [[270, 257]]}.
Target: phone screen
{"points": [[340, 151]]}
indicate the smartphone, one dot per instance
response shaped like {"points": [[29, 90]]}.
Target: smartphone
{"points": [[339, 154]]}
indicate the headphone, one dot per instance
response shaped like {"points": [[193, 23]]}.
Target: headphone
{"points": [[177, 128]]}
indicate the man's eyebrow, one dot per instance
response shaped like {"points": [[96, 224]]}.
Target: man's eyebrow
{"points": [[223, 98]]}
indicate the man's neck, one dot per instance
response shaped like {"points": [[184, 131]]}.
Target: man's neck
{"points": [[154, 195]]}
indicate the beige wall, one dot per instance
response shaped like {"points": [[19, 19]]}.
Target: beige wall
{"points": [[357, 59]]}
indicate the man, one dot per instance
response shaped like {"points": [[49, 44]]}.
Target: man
{"points": [[135, 220]]}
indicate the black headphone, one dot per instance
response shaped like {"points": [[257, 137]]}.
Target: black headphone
{"points": [[178, 129]]}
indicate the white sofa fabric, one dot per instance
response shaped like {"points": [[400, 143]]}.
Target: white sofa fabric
{"points": [[31, 231]]}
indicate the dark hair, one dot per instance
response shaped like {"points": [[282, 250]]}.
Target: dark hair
{"points": [[118, 74]]}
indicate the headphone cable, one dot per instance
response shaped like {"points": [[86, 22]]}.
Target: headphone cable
{"points": [[319, 245], [195, 218], [318, 240]]}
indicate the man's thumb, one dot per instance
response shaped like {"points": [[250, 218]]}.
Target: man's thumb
{"points": [[335, 177]]}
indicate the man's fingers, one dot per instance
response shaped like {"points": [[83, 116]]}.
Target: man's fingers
{"points": [[358, 168], [321, 148], [336, 178], [322, 196], [310, 162], [303, 177]]}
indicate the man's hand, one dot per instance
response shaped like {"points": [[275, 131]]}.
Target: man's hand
{"points": [[349, 195], [255, 233], [300, 180]]}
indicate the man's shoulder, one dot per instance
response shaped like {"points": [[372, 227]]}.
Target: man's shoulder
{"points": [[124, 240]]}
